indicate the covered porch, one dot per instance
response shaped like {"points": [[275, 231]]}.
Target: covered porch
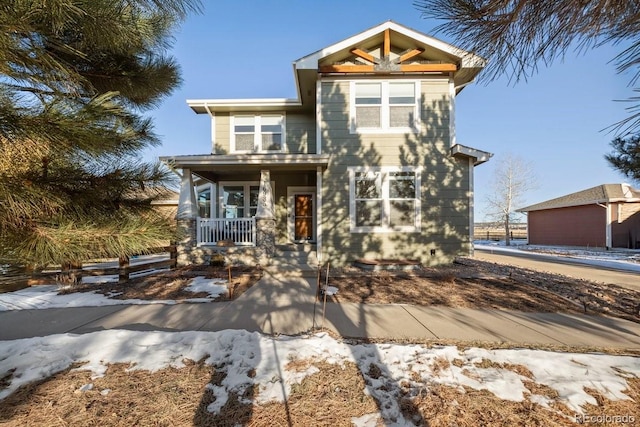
{"points": [[247, 203]]}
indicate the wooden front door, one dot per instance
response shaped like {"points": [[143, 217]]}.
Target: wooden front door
{"points": [[303, 217]]}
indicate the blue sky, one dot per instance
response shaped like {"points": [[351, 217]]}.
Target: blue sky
{"points": [[244, 49]]}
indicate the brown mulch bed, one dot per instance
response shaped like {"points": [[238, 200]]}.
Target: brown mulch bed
{"points": [[467, 283], [470, 283], [330, 397], [170, 285]]}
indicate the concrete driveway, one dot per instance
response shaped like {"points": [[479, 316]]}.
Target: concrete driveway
{"points": [[562, 265]]}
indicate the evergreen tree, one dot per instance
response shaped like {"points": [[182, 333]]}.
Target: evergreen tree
{"points": [[75, 79], [626, 156], [517, 35]]}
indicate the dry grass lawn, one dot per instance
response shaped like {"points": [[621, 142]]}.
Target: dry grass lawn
{"points": [[468, 283], [476, 284], [331, 397], [170, 285]]}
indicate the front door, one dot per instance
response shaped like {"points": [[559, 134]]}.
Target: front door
{"points": [[302, 215], [303, 221]]}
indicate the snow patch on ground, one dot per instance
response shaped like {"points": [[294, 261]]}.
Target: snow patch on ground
{"points": [[214, 287], [250, 358], [46, 296]]}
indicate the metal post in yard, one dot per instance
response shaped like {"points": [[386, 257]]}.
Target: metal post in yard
{"points": [[324, 304]]}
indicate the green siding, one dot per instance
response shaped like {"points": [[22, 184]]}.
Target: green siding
{"points": [[300, 133], [222, 133], [444, 188]]}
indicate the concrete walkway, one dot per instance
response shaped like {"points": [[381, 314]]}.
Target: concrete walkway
{"points": [[280, 304]]}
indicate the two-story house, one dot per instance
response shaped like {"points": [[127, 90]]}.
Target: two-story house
{"points": [[364, 163]]}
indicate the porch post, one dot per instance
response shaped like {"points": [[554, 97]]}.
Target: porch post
{"points": [[265, 196], [265, 219], [187, 205], [186, 220]]}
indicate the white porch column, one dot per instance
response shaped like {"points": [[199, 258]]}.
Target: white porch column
{"points": [[186, 219], [265, 220], [187, 205], [265, 208]]}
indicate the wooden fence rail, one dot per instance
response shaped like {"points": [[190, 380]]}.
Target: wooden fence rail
{"points": [[75, 272], [498, 235]]}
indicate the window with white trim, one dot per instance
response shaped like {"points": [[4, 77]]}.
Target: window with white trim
{"points": [[257, 134], [205, 195], [385, 106], [239, 199], [384, 199]]}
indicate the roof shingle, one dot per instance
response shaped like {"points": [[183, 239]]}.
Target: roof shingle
{"points": [[605, 193]]}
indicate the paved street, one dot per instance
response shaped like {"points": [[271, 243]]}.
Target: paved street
{"points": [[562, 265]]}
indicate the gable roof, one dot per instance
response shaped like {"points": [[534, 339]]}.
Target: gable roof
{"points": [[435, 46], [468, 64], [605, 193], [465, 66]]}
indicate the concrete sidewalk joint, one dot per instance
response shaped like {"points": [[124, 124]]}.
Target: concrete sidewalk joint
{"points": [[282, 304]]}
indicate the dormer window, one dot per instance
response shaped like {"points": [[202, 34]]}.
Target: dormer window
{"points": [[385, 106], [257, 133]]}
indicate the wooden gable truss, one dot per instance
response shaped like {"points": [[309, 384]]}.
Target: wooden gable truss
{"points": [[386, 65]]}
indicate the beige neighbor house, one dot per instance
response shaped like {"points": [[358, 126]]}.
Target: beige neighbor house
{"points": [[364, 163], [605, 216]]}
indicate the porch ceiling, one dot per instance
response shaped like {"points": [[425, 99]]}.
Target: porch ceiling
{"points": [[248, 162]]}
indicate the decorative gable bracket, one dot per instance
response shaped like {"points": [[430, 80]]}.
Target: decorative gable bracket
{"points": [[385, 64]]}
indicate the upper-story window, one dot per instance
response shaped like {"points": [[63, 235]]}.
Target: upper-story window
{"points": [[385, 106], [257, 134]]}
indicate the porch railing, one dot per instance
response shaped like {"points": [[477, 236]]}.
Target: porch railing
{"points": [[242, 231]]}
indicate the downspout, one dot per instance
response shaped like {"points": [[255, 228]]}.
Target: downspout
{"points": [[452, 112], [608, 224], [319, 199], [471, 207]]}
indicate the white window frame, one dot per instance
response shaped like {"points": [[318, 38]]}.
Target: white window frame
{"points": [[384, 108], [257, 134], [213, 198], [247, 194], [385, 226]]}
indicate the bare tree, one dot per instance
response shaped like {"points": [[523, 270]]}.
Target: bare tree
{"points": [[517, 35], [512, 178]]}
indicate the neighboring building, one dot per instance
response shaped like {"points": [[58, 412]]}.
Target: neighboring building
{"points": [[363, 164], [167, 203], [606, 216]]}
